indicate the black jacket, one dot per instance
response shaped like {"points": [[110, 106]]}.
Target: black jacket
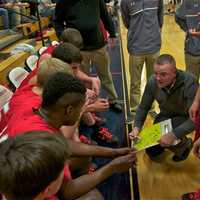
{"points": [[174, 103], [85, 16]]}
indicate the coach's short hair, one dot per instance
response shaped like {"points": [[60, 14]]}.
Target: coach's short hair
{"points": [[166, 58]]}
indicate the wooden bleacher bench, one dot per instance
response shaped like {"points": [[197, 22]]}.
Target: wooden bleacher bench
{"points": [[51, 34], [7, 40], [18, 60], [29, 28], [14, 60], [10, 61]]}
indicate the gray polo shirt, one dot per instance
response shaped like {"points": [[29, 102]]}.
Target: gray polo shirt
{"points": [[144, 20]]}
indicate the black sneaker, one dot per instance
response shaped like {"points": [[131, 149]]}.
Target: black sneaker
{"points": [[185, 153], [192, 195]]}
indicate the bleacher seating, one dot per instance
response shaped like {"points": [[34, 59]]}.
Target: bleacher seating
{"points": [[30, 28], [31, 62], [5, 96], [41, 50], [7, 39], [17, 75], [8, 61]]}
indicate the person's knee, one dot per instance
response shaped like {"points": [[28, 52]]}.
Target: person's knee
{"points": [[155, 151], [3, 12], [159, 118]]}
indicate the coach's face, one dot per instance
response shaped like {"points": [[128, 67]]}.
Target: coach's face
{"points": [[165, 74]]}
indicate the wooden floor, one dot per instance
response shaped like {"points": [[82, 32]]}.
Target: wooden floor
{"points": [[165, 179]]}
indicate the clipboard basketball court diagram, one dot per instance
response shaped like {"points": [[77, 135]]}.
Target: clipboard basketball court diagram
{"points": [[150, 136]]}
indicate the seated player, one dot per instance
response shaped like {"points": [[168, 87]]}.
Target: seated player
{"points": [[29, 96], [70, 54], [73, 36], [34, 166]]}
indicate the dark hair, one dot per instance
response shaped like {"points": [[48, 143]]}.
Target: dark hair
{"points": [[68, 53], [60, 84], [30, 162], [72, 36], [166, 58]]}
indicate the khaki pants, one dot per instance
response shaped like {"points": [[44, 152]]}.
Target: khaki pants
{"points": [[135, 69], [100, 59], [193, 65]]}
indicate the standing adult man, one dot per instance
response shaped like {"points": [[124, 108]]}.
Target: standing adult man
{"points": [[85, 15], [174, 90], [185, 18], [144, 20]]}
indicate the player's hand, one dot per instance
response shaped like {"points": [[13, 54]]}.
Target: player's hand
{"points": [[123, 163], [96, 84], [167, 140], [122, 151], [100, 105]]}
